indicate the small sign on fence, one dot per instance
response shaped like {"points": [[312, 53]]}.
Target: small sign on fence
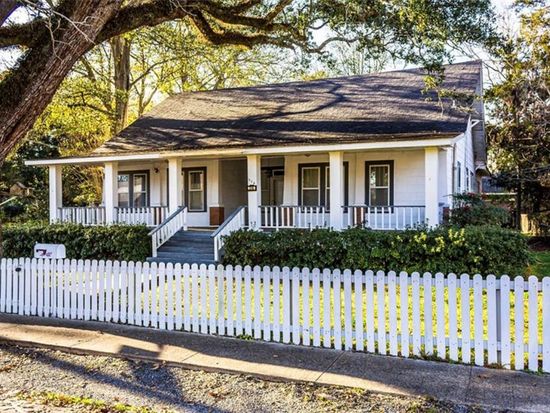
{"points": [[49, 251]]}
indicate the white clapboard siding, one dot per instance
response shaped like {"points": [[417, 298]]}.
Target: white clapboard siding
{"points": [[448, 316]]}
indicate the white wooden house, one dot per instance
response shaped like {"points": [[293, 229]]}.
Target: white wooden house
{"points": [[370, 150]]}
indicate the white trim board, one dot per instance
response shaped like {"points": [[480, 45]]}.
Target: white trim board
{"points": [[274, 150]]}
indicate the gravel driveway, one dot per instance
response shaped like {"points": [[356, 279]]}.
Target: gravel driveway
{"points": [[28, 375]]}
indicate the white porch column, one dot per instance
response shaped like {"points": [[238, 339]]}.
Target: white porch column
{"points": [[55, 191], [175, 184], [431, 184], [336, 164], [254, 164], [110, 191]]}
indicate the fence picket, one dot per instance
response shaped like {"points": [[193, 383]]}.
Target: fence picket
{"points": [[195, 297], [465, 315], [416, 331], [276, 304], [428, 323], [203, 299], [186, 270], [295, 306], [328, 308], [247, 298], [212, 297], [305, 305], [404, 307], [533, 324], [453, 327], [229, 295], [380, 292], [238, 301], [316, 327], [491, 320], [478, 320], [337, 310], [505, 358], [266, 280], [257, 303], [348, 341], [359, 327], [286, 305], [440, 314], [392, 312], [519, 355]]}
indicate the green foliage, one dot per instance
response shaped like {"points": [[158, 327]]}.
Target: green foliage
{"points": [[115, 242], [472, 209], [473, 249]]}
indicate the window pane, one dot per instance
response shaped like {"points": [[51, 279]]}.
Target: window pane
{"points": [[140, 183], [310, 197], [327, 177], [123, 200], [195, 201], [195, 180], [140, 199], [310, 178], [379, 176], [379, 196]]}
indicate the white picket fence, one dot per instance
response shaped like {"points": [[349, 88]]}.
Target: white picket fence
{"points": [[457, 318]]}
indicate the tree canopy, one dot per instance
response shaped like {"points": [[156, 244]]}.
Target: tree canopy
{"points": [[56, 34]]}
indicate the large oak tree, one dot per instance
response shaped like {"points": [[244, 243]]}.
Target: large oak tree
{"points": [[59, 32]]}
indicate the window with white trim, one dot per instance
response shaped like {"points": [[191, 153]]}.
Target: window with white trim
{"points": [[311, 186], [379, 183], [133, 189]]}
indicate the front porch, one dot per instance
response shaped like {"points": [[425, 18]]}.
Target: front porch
{"points": [[392, 189]]}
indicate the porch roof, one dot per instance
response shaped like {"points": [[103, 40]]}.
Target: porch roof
{"points": [[376, 107]]}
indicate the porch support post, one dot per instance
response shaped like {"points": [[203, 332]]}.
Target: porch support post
{"points": [[254, 164], [175, 184], [431, 185], [55, 191], [110, 188], [336, 164]]}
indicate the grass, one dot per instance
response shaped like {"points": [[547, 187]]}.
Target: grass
{"points": [[92, 405], [541, 265]]}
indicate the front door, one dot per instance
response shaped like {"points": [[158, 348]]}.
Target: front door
{"points": [[272, 186]]}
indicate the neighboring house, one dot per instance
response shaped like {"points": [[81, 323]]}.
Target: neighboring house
{"points": [[370, 150]]}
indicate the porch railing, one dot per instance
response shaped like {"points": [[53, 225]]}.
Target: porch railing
{"points": [[234, 222], [293, 216], [150, 216], [384, 217], [82, 215], [162, 233]]}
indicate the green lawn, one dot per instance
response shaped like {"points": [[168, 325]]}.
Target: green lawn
{"points": [[541, 266]]}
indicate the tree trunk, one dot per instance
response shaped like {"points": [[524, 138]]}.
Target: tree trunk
{"points": [[6, 9], [26, 92], [121, 47]]}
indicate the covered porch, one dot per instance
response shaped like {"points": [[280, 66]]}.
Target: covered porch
{"points": [[378, 189]]}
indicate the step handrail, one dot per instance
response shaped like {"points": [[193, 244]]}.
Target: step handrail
{"points": [[167, 228], [234, 222]]}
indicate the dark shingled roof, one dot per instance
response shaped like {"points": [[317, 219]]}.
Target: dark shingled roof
{"points": [[372, 107]]}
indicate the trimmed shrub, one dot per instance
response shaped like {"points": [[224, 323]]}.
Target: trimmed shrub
{"points": [[113, 242], [472, 209], [473, 249]]}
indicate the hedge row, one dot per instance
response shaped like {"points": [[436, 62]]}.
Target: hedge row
{"points": [[114, 242], [473, 249]]}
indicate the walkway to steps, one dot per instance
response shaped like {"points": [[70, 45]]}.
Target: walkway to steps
{"points": [[192, 246]]}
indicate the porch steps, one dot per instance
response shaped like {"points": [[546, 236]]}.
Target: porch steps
{"points": [[192, 247]]}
